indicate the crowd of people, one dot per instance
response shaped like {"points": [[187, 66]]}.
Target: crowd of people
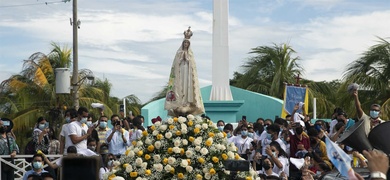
{"points": [[269, 144]]}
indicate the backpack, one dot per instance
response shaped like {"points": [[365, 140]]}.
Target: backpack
{"points": [[29, 149]]}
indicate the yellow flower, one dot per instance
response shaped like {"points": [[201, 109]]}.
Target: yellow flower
{"points": [[145, 133], [224, 134], [40, 152], [211, 134], [165, 161], [151, 148], [248, 178], [112, 176], [133, 174], [175, 119], [190, 123], [153, 127], [159, 136], [199, 177], [170, 151], [215, 159], [210, 122], [125, 165], [123, 131], [178, 133], [201, 160], [171, 127], [147, 156], [189, 161], [196, 130], [212, 171], [224, 156], [181, 151], [180, 176], [172, 171], [127, 152], [148, 172], [236, 156], [134, 143], [191, 139], [208, 142], [140, 153]]}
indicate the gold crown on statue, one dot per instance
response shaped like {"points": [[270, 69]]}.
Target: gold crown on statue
{"points": [[187, 33]]}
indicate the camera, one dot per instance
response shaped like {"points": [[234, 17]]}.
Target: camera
{"points": [[8, 124]]}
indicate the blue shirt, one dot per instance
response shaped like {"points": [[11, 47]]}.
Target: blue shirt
{"points": [[28, 173]]}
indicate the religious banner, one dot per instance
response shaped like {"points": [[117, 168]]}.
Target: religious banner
{"points": [[295, 95]]}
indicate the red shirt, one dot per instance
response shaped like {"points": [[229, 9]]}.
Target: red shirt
{"points": [[294, 141]]}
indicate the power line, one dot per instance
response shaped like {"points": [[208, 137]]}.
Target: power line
{"points": [[34, 4]]}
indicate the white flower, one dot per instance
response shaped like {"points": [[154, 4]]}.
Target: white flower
{"points": [[148, 141], [189, 153], [184, 163], [177, 142], [213, 149], [223, 147], [205, 170], [230, 155], [183, 126], [129, 168], [205, 126], [232, 147], [157, 144], [118, 178], [198, 126], [158, 167], [176, 150], [155, 133], [140, 143], [199, 120], [171, 160], [117, 163], [185, 142], [197, 142], [144, 165], [168, 168], [213, 125], [181, 120], [136, 150], [190, 117], [184, 131], [168, 135], [138, 162], [207, 175], [220, 135], [131, 154], [197, 148], [204, 151], [157, 158], [170, 121], [189, 169], [163, 127], [158, 123]]}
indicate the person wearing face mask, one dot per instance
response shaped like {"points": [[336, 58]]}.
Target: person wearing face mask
{"points": [[228, 129], [220, 125], [243, 142], [79, 133], [297, 138], [9, 147], [102, 131], [41, 135], [318, 146], [279, 157], [267, 168], [272, 135], [91, 144], [118, 138], [108, 164], [65, 141], [37, 166], [371, 120]]}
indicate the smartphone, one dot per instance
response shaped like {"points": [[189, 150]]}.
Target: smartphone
{"points": [[121, 108], [243, 117]]}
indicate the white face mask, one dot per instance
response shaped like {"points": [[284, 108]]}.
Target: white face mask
{"points": [[89, 123]]}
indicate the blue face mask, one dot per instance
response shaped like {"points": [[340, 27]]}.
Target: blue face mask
{"points": [[42, 126], [37, 165], [83, 120], [103, 124], [89, 123], [229, 135], [220, 128], [269, 136], [67, 119], [374, 114], [244, 133], [250, 135]]}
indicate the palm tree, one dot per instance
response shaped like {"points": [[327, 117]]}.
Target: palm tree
{"points": [[269, 70], [372, 73]]}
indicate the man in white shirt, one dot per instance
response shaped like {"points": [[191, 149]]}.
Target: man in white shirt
{"points": [[117, 138], [65, 141], [78, 130], [272, 135], [334, 120]]}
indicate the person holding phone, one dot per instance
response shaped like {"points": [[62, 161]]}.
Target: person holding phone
{"points": [[117, 138], [41, 135]]}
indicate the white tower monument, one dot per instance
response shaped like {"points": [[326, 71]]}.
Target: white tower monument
{"points": [[220, 90]]}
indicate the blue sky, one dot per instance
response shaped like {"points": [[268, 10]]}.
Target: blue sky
{"points": [[133, 42]]}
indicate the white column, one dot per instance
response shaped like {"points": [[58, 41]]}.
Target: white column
{"points": [[314, 108], [220, 90]]}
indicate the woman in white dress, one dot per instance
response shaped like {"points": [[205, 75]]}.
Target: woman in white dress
{"points": [[183, 95]]}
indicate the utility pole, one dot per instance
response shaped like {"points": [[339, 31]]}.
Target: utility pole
{"points": [[75, 76]]}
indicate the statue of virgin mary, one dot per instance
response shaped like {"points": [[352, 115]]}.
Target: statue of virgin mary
{"points": [[183, 96]]}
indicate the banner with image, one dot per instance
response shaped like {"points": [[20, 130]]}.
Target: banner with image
{"points": [[292, 96]]}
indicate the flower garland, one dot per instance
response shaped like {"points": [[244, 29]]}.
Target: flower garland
{"points": [[178, 148]]}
